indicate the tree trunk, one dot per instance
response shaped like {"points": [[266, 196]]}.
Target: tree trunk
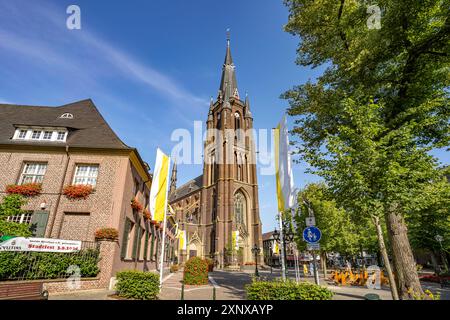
{"points": [[404, 263], [383, 252], [323, 260]]}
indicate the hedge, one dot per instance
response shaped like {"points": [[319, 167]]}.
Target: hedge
{"points": [[196, 271], [47, 265], [288, 290], [137, 285]]}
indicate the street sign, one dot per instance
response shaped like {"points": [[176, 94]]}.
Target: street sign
{"points": [[313, 247], [312, 234], [310, 221]]}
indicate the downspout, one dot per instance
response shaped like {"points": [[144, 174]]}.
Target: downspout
{"points": [[60, 194]]}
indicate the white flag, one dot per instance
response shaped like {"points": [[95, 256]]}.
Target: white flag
{"points": [[284, 176]]}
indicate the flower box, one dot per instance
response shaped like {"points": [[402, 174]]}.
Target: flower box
{"points": [[146, 214], [107, 234], [77, 191], [26, 190], [135, 204]]}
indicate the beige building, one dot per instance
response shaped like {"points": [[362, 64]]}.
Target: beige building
{"points": [[73, 145]]}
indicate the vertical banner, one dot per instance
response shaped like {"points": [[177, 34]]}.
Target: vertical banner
{"points": [[158, 191], [284, 176], [158, 200], [235, 240], [182, 240], [276, 248]]}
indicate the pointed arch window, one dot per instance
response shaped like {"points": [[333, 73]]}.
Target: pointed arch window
{"points": [[237, 125], [240, 208]]}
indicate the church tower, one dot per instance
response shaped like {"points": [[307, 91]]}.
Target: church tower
{"points": [[230, 190]]}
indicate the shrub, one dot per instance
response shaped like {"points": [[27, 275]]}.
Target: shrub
{"points": [[288, 290], [137, 285], [47, 265], [26, 190], [174, 268], [107, 234], [196, 271], [210, 263], [78, 191]]}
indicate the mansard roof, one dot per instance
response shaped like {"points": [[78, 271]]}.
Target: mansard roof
{"points": [[87, 127]]}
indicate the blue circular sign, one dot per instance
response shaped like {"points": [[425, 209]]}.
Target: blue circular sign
{"points": [[312, 234]]}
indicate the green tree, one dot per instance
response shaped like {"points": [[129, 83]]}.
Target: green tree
{"points": [[339, 233], [431, 217], [404, 66], [12, 206]]}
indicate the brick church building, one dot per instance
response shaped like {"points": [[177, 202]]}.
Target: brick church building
{"points": [[224, 199]]}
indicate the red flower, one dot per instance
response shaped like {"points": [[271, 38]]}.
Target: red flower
{"points": [[146, 214], [27, 190], [78, 191], [135, 204], [106, 234]]}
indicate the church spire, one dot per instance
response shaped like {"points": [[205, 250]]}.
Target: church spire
{"points": [[173, 179], [228, 83]]}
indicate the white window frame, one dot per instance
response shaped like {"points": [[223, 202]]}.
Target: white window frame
{"points": [[36, 131], [87, 175], [55, 134], [37, 177], [24, 218]]}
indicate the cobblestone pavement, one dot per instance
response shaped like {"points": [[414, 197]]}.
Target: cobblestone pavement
{"points": [[231, 286]]}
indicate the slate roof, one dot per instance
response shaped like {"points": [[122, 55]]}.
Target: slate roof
{"points": [[267, 235], [87, 129], [187, 188]]}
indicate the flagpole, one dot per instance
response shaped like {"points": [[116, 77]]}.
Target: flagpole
{"points": [[282, 253], [163, 242]]}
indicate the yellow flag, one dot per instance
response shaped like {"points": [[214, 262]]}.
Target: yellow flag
{"points": [[158, 191], [182, 240], [235, 240], [284, 176], [276, 248]]}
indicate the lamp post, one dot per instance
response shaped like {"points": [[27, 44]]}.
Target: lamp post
{"points": [[439, 239], [288, 238], [271, 258], [255, 251]]}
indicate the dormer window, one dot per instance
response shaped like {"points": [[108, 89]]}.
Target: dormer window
{"points": [[66, 116], [41, 134], [47, 135], [22, 134], [61, 136], [36, 135]]}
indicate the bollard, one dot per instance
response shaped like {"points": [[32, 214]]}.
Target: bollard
{"points": [[182, 291], [214, 293]]}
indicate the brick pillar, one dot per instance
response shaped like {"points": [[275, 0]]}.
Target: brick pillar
{"points": [[107, 252]]}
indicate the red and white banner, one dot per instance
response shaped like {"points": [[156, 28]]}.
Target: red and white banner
{"points": [[40, 245]]}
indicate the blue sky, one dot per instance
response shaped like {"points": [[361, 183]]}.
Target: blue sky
{"points": [[151, 66]]}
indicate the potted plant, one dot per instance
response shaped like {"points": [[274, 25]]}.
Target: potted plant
{"points": [[109, 234], [26, 190], [135, 204], [146, 214], [78, 191]]}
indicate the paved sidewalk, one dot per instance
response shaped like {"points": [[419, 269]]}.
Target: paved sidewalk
{"points": [[231, 286]]}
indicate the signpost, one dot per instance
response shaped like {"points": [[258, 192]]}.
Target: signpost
{"points": [[310, 221], [312, 236]]}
